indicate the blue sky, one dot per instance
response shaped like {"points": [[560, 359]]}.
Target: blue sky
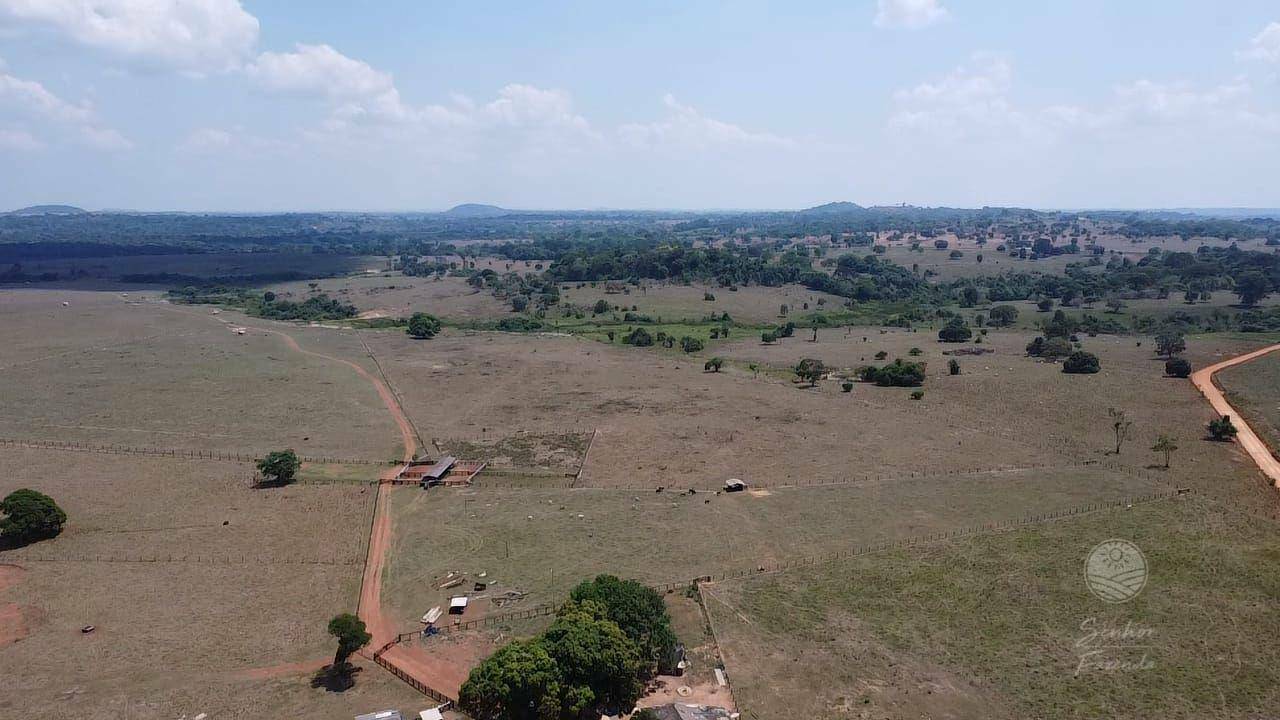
{"points": [[413, 105]]}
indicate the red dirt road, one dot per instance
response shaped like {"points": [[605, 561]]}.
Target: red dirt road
{"points": [[1247, 438], [13, 620]]}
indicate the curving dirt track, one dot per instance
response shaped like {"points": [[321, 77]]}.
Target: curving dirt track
{"points": [[1248, 439], [432, 671]]}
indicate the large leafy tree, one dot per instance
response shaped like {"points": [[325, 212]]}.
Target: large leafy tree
{"points": [[29, 516], [638, 610], [518, 682], [423, 326], [1252, 286], [599, 665], [280, 467], [351, 635], [810, 370]]}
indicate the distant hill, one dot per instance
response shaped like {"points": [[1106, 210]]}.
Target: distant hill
{"points": [[476, 210], [49, 210], [833, 208]]}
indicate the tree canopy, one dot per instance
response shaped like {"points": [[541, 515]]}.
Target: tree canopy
{"points": [[30, 515], [279, 467]]}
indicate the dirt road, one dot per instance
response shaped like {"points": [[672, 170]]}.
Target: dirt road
{"points": [[431, 671], [1247, 438]]}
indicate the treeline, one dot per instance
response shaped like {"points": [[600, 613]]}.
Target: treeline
{"points": [[1250, 274], [315, 308]]}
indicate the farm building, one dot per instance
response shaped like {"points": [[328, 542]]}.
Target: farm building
{"points": [[447, 470]]}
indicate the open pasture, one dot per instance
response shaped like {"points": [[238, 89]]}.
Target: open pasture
{"points": [[999, 625], [542, 542], [139, 372]]}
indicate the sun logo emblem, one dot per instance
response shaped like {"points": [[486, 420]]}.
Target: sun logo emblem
{"points": [[1115, 571]]}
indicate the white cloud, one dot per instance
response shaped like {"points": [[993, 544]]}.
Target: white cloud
{"points": [[206, 140], [1264, 46], [18, 140], [911, 14], [686, 126], [188, 35], [975, 100], [319, 70], [31, 99], [970, 99]]}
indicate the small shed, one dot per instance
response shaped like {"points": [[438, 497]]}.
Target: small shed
{"points": [[734, 485], [431, 714], [458, 605], [383, 715], [435, 474]]}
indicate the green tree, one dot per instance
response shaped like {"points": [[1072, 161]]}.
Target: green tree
{"points": [[1251, 287], [1003, 315], [768, 337], [1081, 363], [639, 337], [1177, 367], [953, 366], [520, 681], [1170, 343], [519, 303], [1222, 429], [1165, 445], [30, 515], [599, 665], [423, 326], [601, 307], [690, 344], [955, 331], [713, 365], [637, 609], [279, 467], [351, 635], [810, 370]]}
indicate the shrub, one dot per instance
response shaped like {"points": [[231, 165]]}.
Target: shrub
{"points": [[955, 331], [917, 394], [915, 352], [899, 373], [1081, 363], [639, 337], [30, 515], [423, 326], [882, 355], [600, 307], [953, 366], [768, 337], [713, 365], [1222, 429], [690, 344], [846, 386], [708, 297], [519, 303], [1177, 367]]}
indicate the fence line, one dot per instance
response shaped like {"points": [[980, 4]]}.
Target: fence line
{"points": [[415, 683], [173, 558], [69, 446]]}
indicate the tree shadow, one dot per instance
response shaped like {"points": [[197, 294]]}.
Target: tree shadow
{"points": [[336, 678]]}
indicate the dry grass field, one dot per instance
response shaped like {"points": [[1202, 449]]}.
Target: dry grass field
{"points": [[996, 626], [207, 595], [397, 295], [211, 596], [1254, 390], [542, 542], [134, 371], [751, 304]]}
